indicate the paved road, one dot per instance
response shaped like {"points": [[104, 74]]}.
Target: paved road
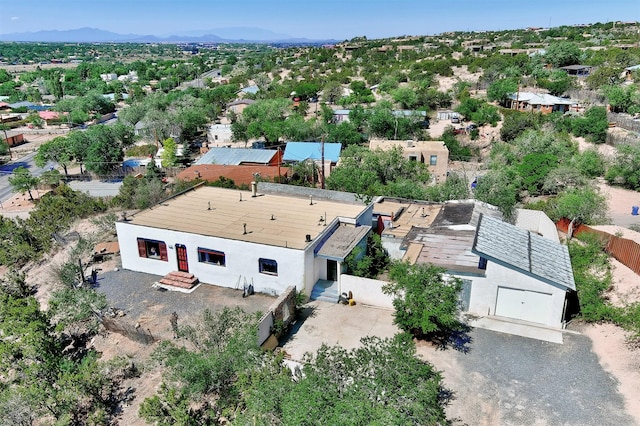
{"points": [[6, 169]]}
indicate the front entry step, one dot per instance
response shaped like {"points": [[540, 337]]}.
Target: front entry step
{"points": [[183, 280], [325, 290]]}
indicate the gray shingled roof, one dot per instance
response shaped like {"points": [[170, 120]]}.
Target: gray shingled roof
{"points": [[530, 253], [236, 156]]}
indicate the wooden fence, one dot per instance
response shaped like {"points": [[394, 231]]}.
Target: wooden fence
{"points": [[623, 250]]}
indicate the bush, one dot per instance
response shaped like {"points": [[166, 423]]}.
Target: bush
{"points": [[426, 304]]}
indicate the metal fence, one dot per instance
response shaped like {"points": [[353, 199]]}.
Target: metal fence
{"points": [[623, 250]]}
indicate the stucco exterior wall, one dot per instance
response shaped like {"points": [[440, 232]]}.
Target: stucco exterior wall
{"points": [[366, 291], [484, 291], [241, 259]]}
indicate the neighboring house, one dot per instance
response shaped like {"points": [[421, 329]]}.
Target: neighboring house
{"points": [[433, 154], [296, 152], [447, 115], [109, 77], [12, 138], [249, 90], [220, 134], [629, 72], [232, 238], [340, 115], [539, 102], [22, 104], [239, 105], [238, 156], [48, 115], [240, 175], [577, 70]]}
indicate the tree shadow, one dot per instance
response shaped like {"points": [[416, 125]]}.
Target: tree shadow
{"points": [[302, 315], [457, 338], [10, 167]]}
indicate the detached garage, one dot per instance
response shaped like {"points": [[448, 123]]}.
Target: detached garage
{"points": [[526, 276]]}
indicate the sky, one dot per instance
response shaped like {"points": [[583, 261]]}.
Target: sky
{"points": [[314, 19]]}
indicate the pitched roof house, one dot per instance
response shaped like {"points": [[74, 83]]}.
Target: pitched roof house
{"points": [[511, 274], [539, 102], [229, 238], [237, 156]]}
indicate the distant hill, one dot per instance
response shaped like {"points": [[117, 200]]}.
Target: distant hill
{"points": [[95, 35]]}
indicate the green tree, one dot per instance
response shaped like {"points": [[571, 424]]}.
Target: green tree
{"points": [[582, 205], [534, 169], [593, 125], [370, 173], [562, 54], [371, 261], [21, 180], [406, 97], [263, 119], [625, 169], [498, 188], [58, 150], [169, 157], [106, 148], [500, 90], [425, 302]]}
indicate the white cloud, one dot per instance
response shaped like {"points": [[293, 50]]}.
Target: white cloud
{"points": [[14, 18]]}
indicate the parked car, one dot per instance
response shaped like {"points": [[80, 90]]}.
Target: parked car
{"points": [[455, 119]]}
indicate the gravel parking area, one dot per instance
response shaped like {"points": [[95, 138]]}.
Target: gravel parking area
{"points": [[133, 293], [512, 380]]}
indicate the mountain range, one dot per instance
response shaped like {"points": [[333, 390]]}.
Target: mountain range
{"points": [[221, 35]]}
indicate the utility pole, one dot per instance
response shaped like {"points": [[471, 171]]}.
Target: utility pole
{"points": [[6, 138], [279, 160], [322, 159]]}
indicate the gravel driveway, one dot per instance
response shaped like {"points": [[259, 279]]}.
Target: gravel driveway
{"points": [[501, 380], [512, 380]]}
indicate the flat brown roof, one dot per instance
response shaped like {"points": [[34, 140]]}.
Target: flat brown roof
{"points": [[218, 212]]}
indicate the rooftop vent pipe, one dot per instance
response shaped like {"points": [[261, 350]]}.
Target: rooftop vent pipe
{"points": [[307, 238]]}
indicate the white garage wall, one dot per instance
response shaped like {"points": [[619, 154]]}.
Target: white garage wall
{"points": [[484, 292]]}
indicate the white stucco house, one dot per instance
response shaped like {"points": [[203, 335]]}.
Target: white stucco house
{"points": [[230, 238]]}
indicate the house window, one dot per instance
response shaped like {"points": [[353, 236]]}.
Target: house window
{"points": [[212, 257], [482, 264], [215, 136], [152, 249], [413, 158], [268, 266], [433, 160]]}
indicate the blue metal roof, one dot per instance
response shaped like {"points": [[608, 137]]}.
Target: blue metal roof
{"points": [[236, 156], [300, 151]]}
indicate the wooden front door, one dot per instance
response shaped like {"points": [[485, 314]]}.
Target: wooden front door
{"points": [[181, 252]]}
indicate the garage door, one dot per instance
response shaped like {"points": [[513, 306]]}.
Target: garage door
{"points": [[524, 305]]}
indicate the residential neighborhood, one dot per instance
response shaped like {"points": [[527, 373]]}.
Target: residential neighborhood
{"points": [[226, 232]]}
